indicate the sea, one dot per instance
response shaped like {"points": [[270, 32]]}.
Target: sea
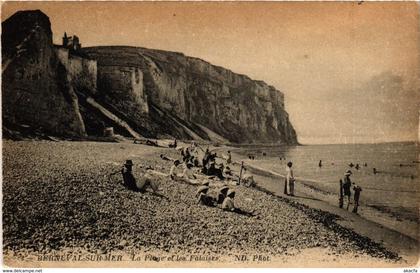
{"points": [[395, 188]]}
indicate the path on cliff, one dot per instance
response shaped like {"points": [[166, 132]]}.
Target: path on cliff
{"points": [[113, 117]]}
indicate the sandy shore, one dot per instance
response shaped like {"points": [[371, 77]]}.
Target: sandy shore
{"points": [[59, 198]]}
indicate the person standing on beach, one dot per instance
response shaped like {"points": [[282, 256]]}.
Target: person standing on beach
{"points": [[347, 186], [229, 158], [290, 180], [357, 189]]}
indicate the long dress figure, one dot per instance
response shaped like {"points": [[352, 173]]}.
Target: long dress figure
{"points": [[290, 180]]}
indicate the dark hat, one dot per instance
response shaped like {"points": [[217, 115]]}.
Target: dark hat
{"points": [[224, 188], [230, 192], [128, 162], [202, 189], [348, 172]]}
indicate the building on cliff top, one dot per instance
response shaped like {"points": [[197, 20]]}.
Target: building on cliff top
{"points": [[71, 42]]}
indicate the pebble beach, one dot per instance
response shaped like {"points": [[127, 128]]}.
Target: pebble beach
{"points": [[62, 197]]}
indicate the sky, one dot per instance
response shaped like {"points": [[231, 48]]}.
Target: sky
{"points": [[350, 72]]}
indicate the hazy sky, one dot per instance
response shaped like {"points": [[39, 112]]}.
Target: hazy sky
{"points": [[349, 72]]}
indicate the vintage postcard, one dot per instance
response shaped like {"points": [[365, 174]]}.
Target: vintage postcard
{"points": [[210, 134]]}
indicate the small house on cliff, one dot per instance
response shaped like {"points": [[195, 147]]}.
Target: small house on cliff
{"points": [[71, 42]]}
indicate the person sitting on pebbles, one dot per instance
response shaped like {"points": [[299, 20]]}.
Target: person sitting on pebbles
{"points": [[188, 172], [222, 194], [228, 203], [214, 171], [140, 185], [203, 197], [227, 172], [174, 144], [167, 158], [172, 172]]}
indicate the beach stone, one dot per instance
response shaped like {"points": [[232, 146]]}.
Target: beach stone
{"points": [[132, 220]]}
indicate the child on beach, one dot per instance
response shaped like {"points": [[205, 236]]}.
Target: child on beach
{"points": [[357, 189], [227, 157]]}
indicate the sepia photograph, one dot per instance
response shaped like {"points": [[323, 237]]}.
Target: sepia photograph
{"points": [[210, 134]]}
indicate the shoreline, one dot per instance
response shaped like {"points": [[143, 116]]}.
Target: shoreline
{"points": [[377, 214], [312, 227]]}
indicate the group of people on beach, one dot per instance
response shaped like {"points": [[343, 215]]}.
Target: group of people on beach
{"points": [[196, 169], [345, 187], [224, 200], [193, 173], [207, 163], [345, 192]]}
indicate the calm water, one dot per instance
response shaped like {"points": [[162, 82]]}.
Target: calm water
{"points": [[394, 186]]}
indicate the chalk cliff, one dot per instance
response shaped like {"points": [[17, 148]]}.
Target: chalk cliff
{"points": [[173, 88], [36, 89], [152, 92]]}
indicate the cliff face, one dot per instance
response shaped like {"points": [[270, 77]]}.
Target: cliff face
{"points": [[82, 71], [201, 96], [154, 93], [36, 89]]}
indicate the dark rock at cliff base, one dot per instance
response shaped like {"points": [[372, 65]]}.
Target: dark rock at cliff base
{"points": [[190, 97], [35, 88]]}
